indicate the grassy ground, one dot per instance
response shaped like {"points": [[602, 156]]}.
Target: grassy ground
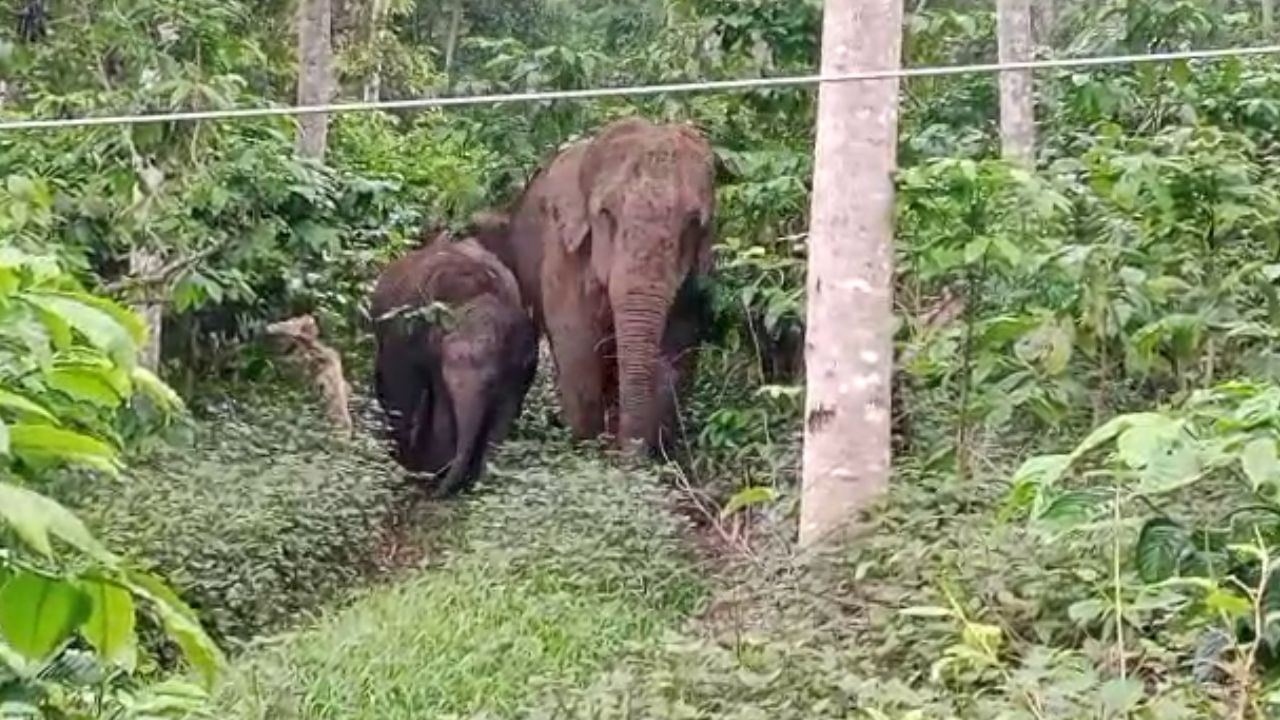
{"points": [[567, 589], [553, 573]]}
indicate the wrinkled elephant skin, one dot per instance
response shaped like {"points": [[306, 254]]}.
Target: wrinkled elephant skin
{"points": [[602, 241], [456, 355]]}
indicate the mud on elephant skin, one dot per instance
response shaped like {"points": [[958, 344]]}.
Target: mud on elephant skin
{"points": [[456, 355], [601, 241]]}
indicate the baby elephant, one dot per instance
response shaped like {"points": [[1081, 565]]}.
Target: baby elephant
{"points": [[456, 355]]}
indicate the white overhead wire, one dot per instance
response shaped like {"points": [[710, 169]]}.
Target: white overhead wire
{"points": [[627, 91]]}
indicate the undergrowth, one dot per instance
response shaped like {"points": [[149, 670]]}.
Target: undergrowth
{"points": [[259, 517], [559, 567], [863, 633]]}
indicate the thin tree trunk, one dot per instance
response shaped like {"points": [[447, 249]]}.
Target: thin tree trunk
{"points": [[1268, 16], [849, 343], [451, 40], [373, 82], [1017, 98], [315, 74], [145, 264]]}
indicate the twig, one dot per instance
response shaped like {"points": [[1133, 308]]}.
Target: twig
{"points": [[166, 273]]}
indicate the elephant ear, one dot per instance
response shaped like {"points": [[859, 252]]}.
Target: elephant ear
{"points": [[563, 204]]}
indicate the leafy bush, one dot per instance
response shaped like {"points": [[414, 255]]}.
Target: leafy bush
{"points": [[69, 386], [263, 517]]}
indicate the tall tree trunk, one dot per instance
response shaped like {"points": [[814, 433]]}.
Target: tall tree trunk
{"points": [[315, 74], [849, 343], [451, 40], [373, 81], [1268, 16], [1017, 99]]}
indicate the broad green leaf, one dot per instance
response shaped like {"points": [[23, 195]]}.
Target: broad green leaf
{"points": [[748, 497], [52, 444], [99, 327], [1228, 603], [21, 188], [975, 249], [38, 614], [1143, 443], [1120, 697], [126, 318], [1160, 548], [110, 626], [35, 518], [1033, 478], [1042, 470], [1260, 463], [1170, 471], [85, 384], [1069, 508], [1086, 611], [24, 406], [153, 387], [181, 623], [1101, 435]]}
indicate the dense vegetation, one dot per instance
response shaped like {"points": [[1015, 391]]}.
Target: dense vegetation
{"points": [[1084, 521]]}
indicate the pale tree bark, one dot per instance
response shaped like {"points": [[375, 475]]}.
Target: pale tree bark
{"points": [[1268, 15], [315, 74], [451, 40], [1017, 98], [373, 82], [849, 329], [144, 263]]}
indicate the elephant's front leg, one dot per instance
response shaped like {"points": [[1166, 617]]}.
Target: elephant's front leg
{"points": [[575, 340]]}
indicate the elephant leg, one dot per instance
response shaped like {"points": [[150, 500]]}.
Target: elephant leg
{"points": [[433, 431], [401, 391], [512, 393], [575, 338], [474, 422]]}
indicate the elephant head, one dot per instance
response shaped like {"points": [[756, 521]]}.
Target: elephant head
{"points": [[636, 204]]}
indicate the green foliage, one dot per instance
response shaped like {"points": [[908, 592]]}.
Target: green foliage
{"points": [[260, 519], [67, 605], [1203, 482], [1135, 263]]}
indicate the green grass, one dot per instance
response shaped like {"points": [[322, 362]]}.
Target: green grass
{"points": [[554, 573]]}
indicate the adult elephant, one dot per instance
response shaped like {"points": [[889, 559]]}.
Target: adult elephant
{"points": [[604, 241], [451, 385]]}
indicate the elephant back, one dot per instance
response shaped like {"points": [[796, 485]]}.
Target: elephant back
{"points": [[449, 272]]}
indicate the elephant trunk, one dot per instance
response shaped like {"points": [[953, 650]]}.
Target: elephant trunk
{"points": [[640, 315]]}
